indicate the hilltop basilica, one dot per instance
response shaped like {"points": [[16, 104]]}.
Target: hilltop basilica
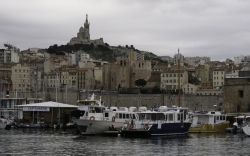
{"points": [[83, 36]]}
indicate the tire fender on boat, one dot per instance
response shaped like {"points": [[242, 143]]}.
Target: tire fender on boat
{"points": [[113, 119], [92, 118]]}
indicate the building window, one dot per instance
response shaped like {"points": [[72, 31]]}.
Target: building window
{"points": [[240, 93], [170, 75]]}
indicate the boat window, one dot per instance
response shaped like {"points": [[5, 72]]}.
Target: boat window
{"points": [[133, 116], [224, 117], [106, 114], [218, 117], [87, 113], [161, 117], [116, 115], [120, 115], [98, 110], [179, 117], [124, 116], [91, 109], [171, 117], [166, 117], [127, 116], [221, 118], [214, 119]]}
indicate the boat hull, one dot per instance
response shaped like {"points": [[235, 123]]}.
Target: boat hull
{"points": [[96, 127], [165, 130], [209, 128], [246, 130]]}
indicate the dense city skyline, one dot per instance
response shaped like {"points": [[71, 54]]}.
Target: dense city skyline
{"points": [[217, 29]]}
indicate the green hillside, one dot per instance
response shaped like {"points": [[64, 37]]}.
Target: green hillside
{"points": [[103, 52]]}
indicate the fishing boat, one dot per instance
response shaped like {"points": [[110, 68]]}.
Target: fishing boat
{"points": [[212, 121], [164, 122], [93, 118]]}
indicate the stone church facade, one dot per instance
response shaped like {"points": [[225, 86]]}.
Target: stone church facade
{"points": [[125, 71], [83, 36]]}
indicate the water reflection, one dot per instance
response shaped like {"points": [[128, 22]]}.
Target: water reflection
{"points": [[56, 142]]}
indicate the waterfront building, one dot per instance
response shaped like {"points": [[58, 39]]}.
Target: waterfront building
{"points": [[9, 105]]}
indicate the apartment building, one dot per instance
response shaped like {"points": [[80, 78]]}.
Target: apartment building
{"points": [[219, 75], [21, 78], [169, 78]]}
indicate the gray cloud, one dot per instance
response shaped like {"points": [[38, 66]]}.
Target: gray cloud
{"points": [[218, 29]]}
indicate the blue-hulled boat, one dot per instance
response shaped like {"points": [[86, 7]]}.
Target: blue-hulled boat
{"points": [[165, 121]]}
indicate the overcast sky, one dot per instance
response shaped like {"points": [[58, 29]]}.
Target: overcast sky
{"points": [[215, 28]]}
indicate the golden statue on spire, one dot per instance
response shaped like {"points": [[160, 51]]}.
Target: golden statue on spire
{"points": [[86, 16]]}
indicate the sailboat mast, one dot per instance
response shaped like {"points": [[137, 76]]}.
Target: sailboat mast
{"points": [[179, 96]]}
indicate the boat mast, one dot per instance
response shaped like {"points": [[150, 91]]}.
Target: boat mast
{"points": [[179, 101]]}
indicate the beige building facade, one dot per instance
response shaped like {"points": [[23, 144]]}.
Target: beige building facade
{"points": [[219, 78], [169, 79]]}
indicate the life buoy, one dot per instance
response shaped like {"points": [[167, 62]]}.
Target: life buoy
{"points": [[113, 119], [92, 118]]}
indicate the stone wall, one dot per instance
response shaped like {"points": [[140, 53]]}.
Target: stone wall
{"points": [[193, 102], [236, 93]]}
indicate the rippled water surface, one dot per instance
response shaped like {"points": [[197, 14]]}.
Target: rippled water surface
{"points": [[56, 142]]}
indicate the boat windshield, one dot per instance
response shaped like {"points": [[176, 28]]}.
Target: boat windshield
{"points": [[151, 116]]}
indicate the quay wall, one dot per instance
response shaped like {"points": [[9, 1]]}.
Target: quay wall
{"points": [[193, 102]]}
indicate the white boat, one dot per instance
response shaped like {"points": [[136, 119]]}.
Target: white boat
{"points": [[165, 121], [246, 125], [212, 121], [94, 118], [5, 123]]}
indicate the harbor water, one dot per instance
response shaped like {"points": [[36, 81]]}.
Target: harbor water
{"points": [[56, 142]]}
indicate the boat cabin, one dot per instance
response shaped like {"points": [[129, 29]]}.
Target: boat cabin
{"points": [[212, 117]]}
